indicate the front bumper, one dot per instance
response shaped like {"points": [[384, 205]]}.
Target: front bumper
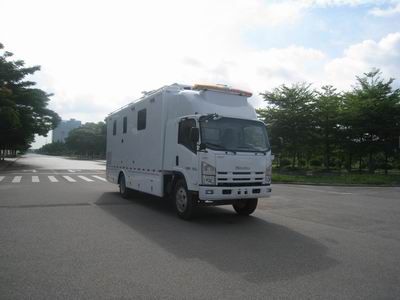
{"points": [[236, 192]]}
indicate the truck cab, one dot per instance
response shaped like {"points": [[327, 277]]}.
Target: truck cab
{"points": [[224, 160]]}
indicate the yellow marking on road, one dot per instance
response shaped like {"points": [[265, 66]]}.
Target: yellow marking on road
{"points": [[324, 191]]}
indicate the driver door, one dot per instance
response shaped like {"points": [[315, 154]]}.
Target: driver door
{"points": [[186, 156]]}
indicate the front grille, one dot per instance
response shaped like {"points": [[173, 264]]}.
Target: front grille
{"points": [[240, 184], [240, 178]]}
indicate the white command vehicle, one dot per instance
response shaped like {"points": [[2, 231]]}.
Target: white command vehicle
{"points": [[199, 145]]}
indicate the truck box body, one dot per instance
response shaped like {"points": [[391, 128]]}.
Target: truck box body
{"points": [[148, 143]]}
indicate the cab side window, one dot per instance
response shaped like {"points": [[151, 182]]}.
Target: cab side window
{"points": [[184, 134]]}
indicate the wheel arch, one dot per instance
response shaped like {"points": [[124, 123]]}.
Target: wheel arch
{"points": [[170, 181], [120, 173]]}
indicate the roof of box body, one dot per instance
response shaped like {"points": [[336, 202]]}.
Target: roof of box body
{"points": [[235, 99]]}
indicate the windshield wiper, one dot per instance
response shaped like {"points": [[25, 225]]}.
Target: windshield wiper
{"points": [[220, 147], [216, 145]]}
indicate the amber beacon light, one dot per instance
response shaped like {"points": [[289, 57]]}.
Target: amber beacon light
{"points": [[221, 88]]}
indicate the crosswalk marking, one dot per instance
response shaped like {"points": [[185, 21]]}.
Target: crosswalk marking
{"points": [[69, 179], [98, 177], [40, 178], [17, 179], [85, 178], [53, 179]]}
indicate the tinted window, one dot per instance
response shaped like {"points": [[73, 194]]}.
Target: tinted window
{"points": [[125, 125], [184, 134], [234, 134], [141, 121], [115, 127]]}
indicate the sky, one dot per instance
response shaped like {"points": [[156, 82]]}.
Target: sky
{"points": [[97, 56]]}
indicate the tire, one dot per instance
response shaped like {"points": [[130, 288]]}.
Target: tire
{"points": [[123, 190], [245, 207], [184, 202]]}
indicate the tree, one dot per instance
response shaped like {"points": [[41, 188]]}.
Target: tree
{"points": [[56, 148], [23, 109], [372, 115], [89, 139], [327, 115], [289, 118]]}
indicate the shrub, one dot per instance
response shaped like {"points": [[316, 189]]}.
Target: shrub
{"points": [[284, 162], [315, 163], [302, 163]]}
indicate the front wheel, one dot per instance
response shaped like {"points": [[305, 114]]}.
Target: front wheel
{"points": [[184, 201], [245, 207]]}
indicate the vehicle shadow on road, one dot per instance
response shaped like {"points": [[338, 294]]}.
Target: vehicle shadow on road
{"points": [[257, 250]]}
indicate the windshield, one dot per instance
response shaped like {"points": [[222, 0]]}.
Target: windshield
{"points": [[233, 134]]}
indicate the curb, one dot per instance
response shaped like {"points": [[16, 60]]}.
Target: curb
{"points": [[8, 163], [338, 184]]}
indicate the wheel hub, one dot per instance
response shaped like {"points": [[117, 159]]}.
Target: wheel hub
{"points": [[181, 199]]}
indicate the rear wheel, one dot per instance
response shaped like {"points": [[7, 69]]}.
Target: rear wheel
{"points": [[123, 190], [184, 201], [245, 207]]}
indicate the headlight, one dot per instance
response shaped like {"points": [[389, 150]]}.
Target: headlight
{"points": [[208, 180], [208, 174], [207, 169], [268, 172]]}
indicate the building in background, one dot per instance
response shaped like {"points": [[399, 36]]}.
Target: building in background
{"points": [[60, 133]]}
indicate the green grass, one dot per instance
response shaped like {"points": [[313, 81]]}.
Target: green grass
{"points": [[367, 179]]}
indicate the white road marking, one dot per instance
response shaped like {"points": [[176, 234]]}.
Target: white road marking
{"points": [[71, 171], [85, 178], [53, 179], [1, 178], [69, 179], [35, 178], [98, 177], [17, 179], [34, 171]]}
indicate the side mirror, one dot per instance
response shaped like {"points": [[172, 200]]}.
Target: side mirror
{"points": [[194, 134]]}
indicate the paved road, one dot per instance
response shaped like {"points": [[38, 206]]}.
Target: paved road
{"points": [[36, 161], [78, 239]]}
